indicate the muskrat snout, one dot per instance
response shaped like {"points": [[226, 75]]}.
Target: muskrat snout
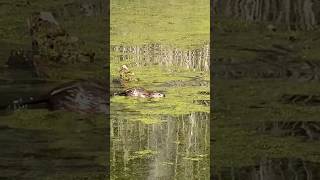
{"points": [[157, 95]]}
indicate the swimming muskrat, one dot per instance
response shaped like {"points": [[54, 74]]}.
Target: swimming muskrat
{"points": [[77, 96], [141, 92]]}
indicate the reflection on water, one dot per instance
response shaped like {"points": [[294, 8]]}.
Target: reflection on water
{"points": [[272, 169], [21, 85], [33, 154], [159, 54], [15, 92], [38, 144], [177, 147], [306, 129], [265, 130]]}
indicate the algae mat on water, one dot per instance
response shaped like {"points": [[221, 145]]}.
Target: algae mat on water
{"points": [[178, 23]]}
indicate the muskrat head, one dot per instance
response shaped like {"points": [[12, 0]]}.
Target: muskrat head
{"points": [[124, 67], [157, 95]]}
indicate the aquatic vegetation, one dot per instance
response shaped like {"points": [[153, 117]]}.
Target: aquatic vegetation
{"points": [[139, 149], [144, 22], [142, 154]]}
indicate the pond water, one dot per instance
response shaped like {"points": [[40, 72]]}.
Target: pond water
{"points": [[166, 138], [168, 51], [259, 136], [175, 148], [42, 144], [28, 153], [275, 169]]}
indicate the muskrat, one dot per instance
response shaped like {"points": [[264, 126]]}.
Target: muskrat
{"points": [[126, 75], [141, 92], [77, 96]]}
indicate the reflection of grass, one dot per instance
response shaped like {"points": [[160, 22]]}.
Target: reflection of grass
{"points": [[179, 23], [240, 147], [147, 153], [237, 141], [72, 177], [233, 34]]}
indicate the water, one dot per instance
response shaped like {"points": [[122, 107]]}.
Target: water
{"points": [[167, 138], [168, 51], [175, 148], [38, 144], [38, 154], [20, 84], [275, 169], [259, 135]]}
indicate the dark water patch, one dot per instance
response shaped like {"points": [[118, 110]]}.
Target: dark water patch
{"points": [[24, 81], [271, 169], [306, 129], [268, 66], [202, 102], [21, 92], [301, 99], [44, 153], [79, 96], [204, 92]]}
